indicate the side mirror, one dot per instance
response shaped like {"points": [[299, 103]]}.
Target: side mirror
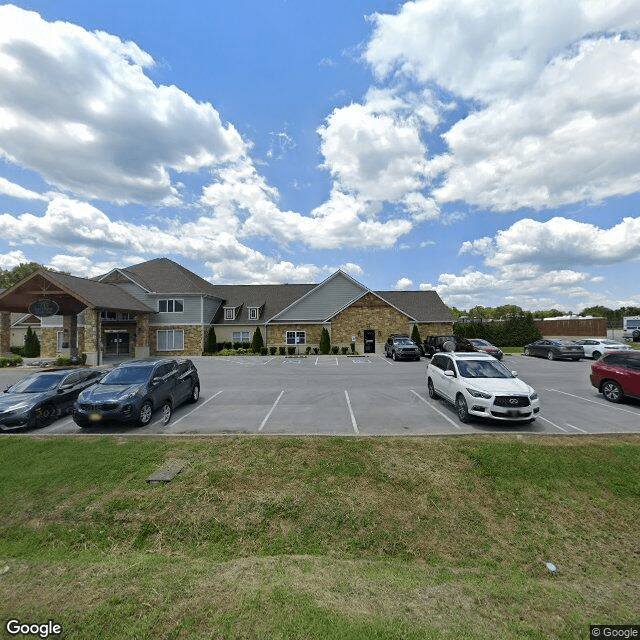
{"points": [[514, 374], [450, 374]]}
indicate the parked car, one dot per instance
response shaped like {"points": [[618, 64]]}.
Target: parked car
{"points": [[555, 349], [39, 398], [595, 347], [486, 347], [617, 375], [435, 344], [133, 390], [401, 347], [479, 385]]}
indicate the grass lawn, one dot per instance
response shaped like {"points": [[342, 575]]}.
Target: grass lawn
{"points": [[327, 538]]}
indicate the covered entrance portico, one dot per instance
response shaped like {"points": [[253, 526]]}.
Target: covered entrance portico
{"points": [[49, 294]]}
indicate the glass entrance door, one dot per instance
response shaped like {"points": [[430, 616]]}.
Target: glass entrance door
{"points": [[369, 340], [116, 343]]}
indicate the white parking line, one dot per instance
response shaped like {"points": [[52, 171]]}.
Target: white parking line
{"points": [[270, 411], [557, 426], [576, 428], [602, 404], [197, 406], [447, 418], [353, 418]]}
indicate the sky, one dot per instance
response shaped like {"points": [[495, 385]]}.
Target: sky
{"points": [[485, 149]]}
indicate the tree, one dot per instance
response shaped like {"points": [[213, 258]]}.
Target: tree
{"points": [[31, 347], [211, 344], [325, 341], [9, 278], [415, 335], [257, 343]]}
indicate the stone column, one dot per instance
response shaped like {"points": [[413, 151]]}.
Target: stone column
{"points": [[92, 336], [5, 331], [142, 335], [70, 333]]}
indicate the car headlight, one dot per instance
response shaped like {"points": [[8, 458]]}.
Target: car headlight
{"points": [[478, 394], [533, 396], [16, 408]]}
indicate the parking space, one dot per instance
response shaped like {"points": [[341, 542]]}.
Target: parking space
{"points": [[364, 396]]}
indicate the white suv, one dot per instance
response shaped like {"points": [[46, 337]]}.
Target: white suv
{"points": [[478, 385]]}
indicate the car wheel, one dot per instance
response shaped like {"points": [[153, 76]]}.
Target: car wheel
{"points": [[144, 417], [462, 409], [394, 356], [550, 355], [431, 389], [595, 355], [46, 416], [195, 394], [612, 391], [527, 352], [636, 336], [166, 412]]}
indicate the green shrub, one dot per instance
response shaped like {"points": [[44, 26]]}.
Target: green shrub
{"points": [[415, 334], [307, 350], [291, 351], [263, 351], [273, 350], [344, 350], [31, 347], [282, 351], [257, 342], [353, 347], [335, 350], [325, 341], [211, 346]]}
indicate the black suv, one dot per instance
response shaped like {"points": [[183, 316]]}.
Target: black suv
{"points": [[433, 344], [133, 390], [401, 347]]}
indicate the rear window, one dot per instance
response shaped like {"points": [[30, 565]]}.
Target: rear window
{"points": [[622, 360]]}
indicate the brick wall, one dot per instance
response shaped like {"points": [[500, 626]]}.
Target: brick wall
{"points": [[277, 334]]}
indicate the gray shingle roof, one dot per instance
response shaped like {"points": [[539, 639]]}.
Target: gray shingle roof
{"points": [[422, 306]]}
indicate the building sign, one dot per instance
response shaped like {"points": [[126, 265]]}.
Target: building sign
{"points": [[44, 308]]}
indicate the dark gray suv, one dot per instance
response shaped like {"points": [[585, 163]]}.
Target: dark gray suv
{"points": [[400, 347], [133, 390]]}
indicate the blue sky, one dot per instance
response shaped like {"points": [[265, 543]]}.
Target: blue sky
{"points": [[488, 150]]}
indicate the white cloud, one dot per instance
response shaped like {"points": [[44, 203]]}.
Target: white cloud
{"points": [[77, 108], [14, 190], [12, 259], [403, 284], [559, 242]]}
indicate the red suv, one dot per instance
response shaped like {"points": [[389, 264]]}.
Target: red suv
{"points": [[617, 375]]}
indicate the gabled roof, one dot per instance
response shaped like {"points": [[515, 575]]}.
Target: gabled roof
{"points": [[162, 275], [271, 298], [324, 300], [420, 306], [72, 294]]}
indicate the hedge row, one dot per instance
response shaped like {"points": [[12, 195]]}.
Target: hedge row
{"points": [[515, 331]]}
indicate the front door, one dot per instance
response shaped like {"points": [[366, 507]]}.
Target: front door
{"points": [[369, 341], [116, 343]]}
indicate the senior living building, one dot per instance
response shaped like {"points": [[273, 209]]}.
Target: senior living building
{"points": [[159, 307]]}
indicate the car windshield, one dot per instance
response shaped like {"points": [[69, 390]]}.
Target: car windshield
{"points": [[609, 342], [480, 343], [127, 375], [483, 369], [37, 383], [404, 342]]}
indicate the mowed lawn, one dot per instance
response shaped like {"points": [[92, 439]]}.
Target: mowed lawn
{"points": [[269, 537]]}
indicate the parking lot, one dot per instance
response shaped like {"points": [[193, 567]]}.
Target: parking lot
{"points": [[363, 396]]}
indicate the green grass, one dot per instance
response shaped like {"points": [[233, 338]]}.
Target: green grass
{"points": [[321, 537]]}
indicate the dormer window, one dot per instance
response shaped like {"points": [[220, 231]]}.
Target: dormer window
{"points": [[229, 313], [254, 312]]}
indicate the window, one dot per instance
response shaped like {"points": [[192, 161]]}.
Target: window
{"points": [[241, 336], [170, 340], [229, 313], [296, 337], [253, 313], [170, 306]]}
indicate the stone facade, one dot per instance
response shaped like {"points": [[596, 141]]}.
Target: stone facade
{"points": [[368, 313], [193, 340], [277, 334]]}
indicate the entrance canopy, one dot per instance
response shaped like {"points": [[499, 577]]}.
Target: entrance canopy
{"points": [[70, 294]]}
